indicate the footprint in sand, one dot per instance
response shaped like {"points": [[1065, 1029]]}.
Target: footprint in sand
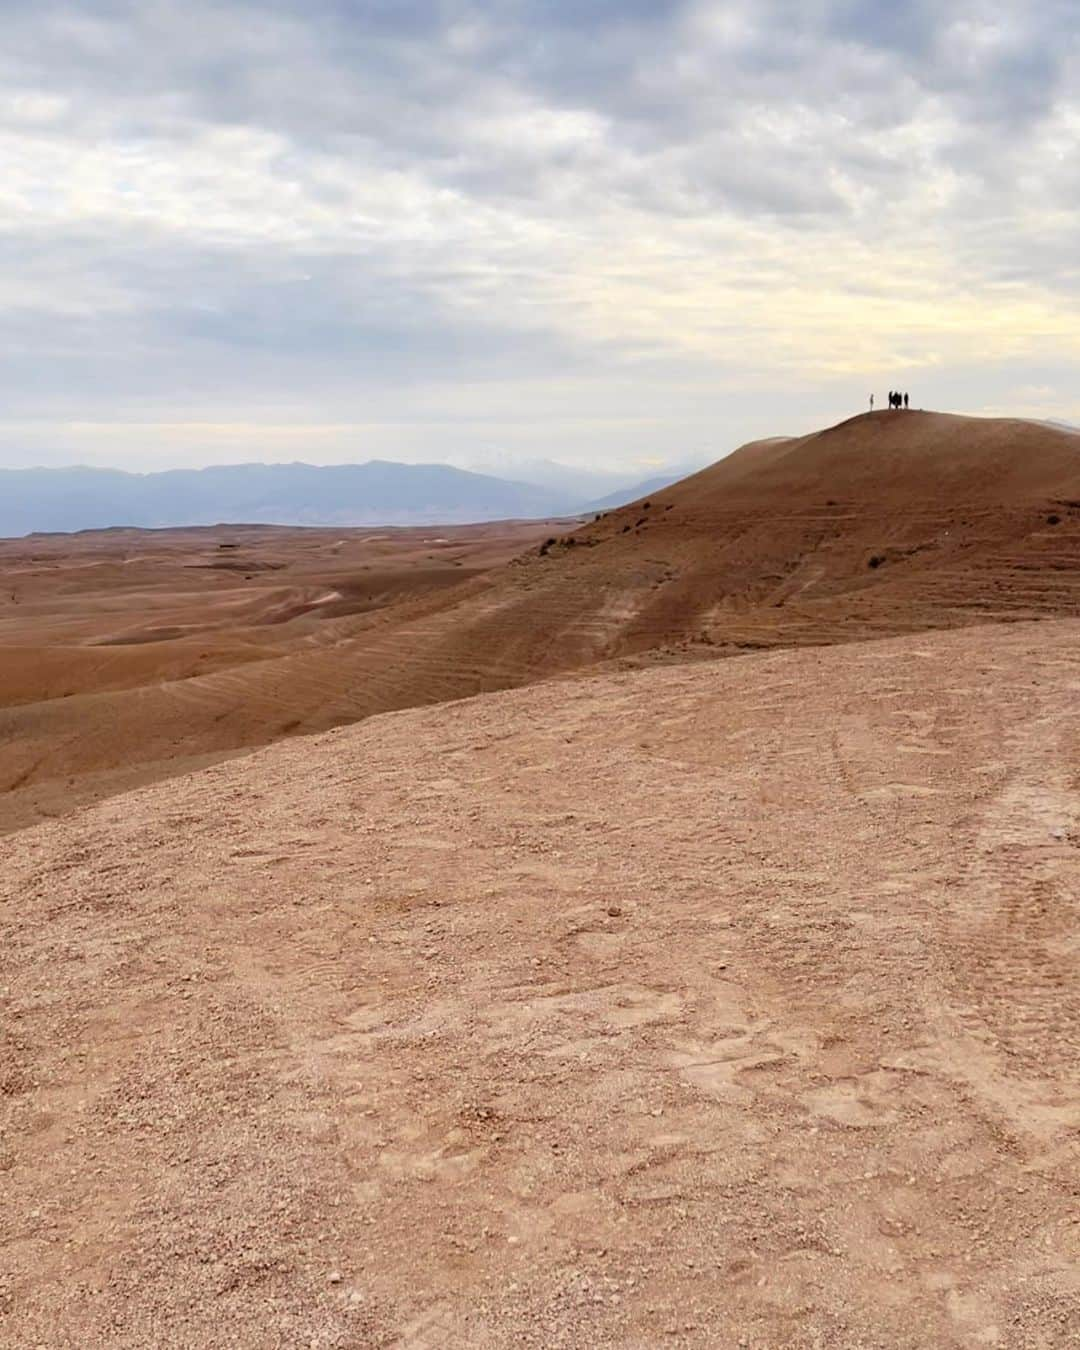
{"points": [[714, 1067], [639, 1007], [432, 1330], [848, 1103]]}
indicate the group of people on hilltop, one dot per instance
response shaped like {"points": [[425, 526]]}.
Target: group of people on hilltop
{"points": [[895, 400]]}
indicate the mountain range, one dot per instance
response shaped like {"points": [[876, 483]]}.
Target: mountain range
{"points": [[379, 492]]}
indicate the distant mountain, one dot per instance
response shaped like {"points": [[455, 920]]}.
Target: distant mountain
{"points": [[376, 493]]}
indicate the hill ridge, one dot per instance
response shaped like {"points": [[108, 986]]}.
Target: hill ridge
{"points": [[884, 525]]}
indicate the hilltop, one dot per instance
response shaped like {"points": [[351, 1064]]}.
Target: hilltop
{"points": [[884, 525]]}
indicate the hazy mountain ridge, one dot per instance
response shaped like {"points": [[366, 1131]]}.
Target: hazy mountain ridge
{"points": [[378, 492]]}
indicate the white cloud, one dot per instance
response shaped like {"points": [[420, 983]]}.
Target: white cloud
{"points": [[615, 226]]}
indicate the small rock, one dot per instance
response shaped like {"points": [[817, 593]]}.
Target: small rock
{"points": [[614, 911], [335, 1277]]}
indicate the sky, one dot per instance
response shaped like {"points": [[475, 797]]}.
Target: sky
{"points": [[617, 233]]}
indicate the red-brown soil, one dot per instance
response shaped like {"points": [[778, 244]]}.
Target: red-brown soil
{"points": [[103, 633], [888, 524], [727, 1004]]}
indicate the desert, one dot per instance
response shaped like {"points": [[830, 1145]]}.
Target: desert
{"points": [[652, 929], [105, 628], [540, 675], [172, 650]]}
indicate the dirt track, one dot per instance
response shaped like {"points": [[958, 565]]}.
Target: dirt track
{"points": [[723, 1005]]}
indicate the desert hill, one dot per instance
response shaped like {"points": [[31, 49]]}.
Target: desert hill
{"points": [[728, 1004], [887, 524], [910, 457]]}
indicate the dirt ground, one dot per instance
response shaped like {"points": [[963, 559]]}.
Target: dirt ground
{"points": [[127, 658], [122, 652], [721, 1005]]}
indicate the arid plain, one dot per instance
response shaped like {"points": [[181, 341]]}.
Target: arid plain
{"points": [[681, 950], [102, 629]]}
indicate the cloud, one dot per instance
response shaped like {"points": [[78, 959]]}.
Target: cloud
{"points": [[600, 230]]}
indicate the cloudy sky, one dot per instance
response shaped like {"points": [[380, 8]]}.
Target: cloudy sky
{"points": [[616, 232]]}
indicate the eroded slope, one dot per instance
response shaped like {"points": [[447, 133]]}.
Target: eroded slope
{"points": [[889, 524]]}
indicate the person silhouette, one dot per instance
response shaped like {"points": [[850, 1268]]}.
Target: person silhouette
{"points": [[871, 403], [905, 401]]}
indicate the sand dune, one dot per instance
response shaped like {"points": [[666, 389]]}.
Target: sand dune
{"points": [[887, 524], [721, 1005]]}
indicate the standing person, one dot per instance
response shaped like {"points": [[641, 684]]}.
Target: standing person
{"points": [[905, 401], [891, 397], [871, 403]]}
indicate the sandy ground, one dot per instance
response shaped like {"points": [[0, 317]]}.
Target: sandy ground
{"points": [[151, 655], [127, 655], [720, 1005]]}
